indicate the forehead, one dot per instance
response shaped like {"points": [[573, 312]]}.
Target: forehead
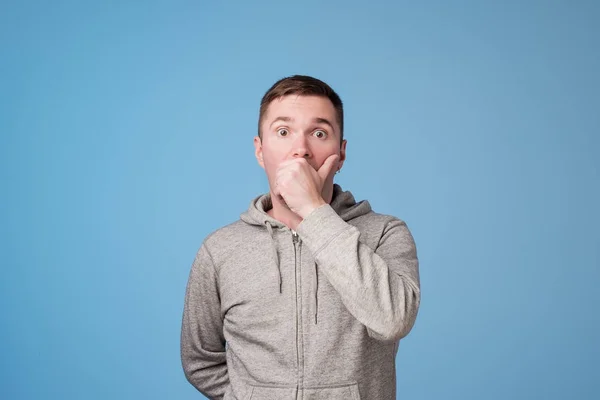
{"points": [[300, 106]]}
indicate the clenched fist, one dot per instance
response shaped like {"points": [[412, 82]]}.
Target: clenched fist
{"points": [[301, 186]]}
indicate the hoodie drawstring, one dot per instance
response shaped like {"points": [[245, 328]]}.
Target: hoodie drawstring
{"points": [[275, 255], [316, 298], [276, 259]]}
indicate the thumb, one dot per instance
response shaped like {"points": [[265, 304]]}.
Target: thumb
{"points": [[329, 164]]}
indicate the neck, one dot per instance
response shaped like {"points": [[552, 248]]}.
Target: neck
{"points": [[283, 214]]}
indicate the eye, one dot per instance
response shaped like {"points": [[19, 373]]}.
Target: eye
{"points": [[320, 134], [282, 132]]}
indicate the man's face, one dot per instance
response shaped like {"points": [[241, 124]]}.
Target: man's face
{"points": [[298, 126]]}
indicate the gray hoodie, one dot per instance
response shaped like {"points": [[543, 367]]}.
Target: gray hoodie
{"points": [[315, 313]]}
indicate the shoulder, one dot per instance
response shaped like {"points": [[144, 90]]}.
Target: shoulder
{"points": [[229, 239], [376, 227], [376, 221]]}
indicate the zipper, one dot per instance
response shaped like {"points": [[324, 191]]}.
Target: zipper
{"points": [[299, 344]]}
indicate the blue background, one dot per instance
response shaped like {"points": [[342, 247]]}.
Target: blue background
{"points": [[126, 138]]}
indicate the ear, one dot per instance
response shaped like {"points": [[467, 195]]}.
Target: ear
{"points": [[258, 151], [342, 154]]}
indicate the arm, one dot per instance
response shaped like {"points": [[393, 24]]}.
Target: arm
{"points": [[379, 288], [202, 341]]}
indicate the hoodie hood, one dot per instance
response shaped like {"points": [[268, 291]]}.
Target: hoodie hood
{"points": [[342, 202]]}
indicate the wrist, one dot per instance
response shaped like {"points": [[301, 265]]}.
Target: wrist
{"points": [[310, 208]]}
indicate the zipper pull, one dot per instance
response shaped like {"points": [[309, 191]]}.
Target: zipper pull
{"points": [[294, 237]]}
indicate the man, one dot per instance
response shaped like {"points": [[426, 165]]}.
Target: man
{"points": [[309, 293]]}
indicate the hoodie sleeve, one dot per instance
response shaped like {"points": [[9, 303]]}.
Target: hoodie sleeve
{"points": [[380, 288], [202, 342]]}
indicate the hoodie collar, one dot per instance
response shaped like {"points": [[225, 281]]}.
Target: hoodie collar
{"points": [[342, 202]]}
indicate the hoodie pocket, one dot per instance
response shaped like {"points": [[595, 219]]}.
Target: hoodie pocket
{"points": [[264, 392], [342, 391]]}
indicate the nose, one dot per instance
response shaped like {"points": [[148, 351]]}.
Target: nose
{"points": [[301, 148]]}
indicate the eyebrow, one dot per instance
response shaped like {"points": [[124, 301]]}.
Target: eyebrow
{"points": [[318, 120], [281, 119]]}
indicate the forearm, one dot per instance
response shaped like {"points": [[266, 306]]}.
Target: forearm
{"points": [[379, 288]]}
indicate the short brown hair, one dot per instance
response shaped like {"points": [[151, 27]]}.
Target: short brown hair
{"points": [[304, 86]]}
